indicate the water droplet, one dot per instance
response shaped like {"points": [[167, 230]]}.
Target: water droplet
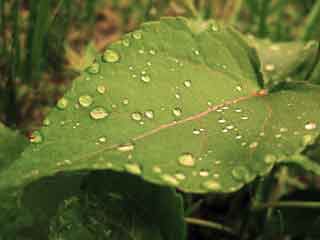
{"points": [[254, 145], [94, 68], [187, 83], [126, 148], [156, 169], [307, 139], [196, 52], [230, 127], [126, 42], [46, 122], [62, 103], [310, 126], [137, 35], [204, 173], [239, 88], [102, 139], [180, 176], [238, 137], [99, 113], [238, 110], [244, 118], [187, 160], [149, 114], [149, 64], [270, 67], [152, 52], [145, 78], [125, 101], [170, 179], [111, 56], [85, 100], [177, 112], [270, 159], [177, 96], [241, 173], [283, 129], [35, 137], [101, 89], [196, 132], [137, 116], [211, 185], [141, 51], [222, 120], [214, 28], [133, 168]]}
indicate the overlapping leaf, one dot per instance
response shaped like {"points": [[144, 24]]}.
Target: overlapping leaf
{"points": [[178, 104]]}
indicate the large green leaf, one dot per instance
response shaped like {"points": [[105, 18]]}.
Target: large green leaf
{"points": [[178, 103], [120, 206]]}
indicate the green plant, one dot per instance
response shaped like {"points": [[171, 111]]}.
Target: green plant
{"points": [[153, 131]]}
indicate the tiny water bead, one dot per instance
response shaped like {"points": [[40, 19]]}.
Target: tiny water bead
{"points": [[145, 78], [125, 148], [137, 116], [99, 113], [133, 168], [241, 173], [170, 180], [186, 160], [149, 114], [180, 176], [310, 126], [94, 68], [85, 100], [270, 159], [270, 67], [177, 112], [137, 35], [36, 137], [187, 83], [62, 103], [111, 56], [214, 28], [211, 185], [101, 89], [46, 122], [126, 42], [102, 139]]}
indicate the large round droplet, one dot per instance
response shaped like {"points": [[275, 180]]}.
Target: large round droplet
{"points": [[111, 56], [136, 116], [99, 113], [187, 83], [85, 100], [145, 78], [133, 168], [187, 160], [36, 137], [62, 103]]}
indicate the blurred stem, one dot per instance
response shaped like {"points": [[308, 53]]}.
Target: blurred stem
{"points": [[287, 204], [312, 22], [191, 7], [213, 225], [3, 28], [237, 6], [264, 12]]}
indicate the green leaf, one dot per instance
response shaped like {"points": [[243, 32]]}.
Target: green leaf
{"points": [[285, 61], [11, 145], [120, 206], [177, 107]]}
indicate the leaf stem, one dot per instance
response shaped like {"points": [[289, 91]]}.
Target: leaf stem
{"points": [[287, 204], [312, 22], [190, 5], [209, 224]]}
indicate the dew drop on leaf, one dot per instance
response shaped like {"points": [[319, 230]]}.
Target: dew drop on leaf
{"points": [[137, 35], [111, 56], [270, 67], [270, 159], [85, 100], [133, 168], [101, 89], [241, 173], [310, 126], [46, 122], [177, 112], [36, 137], [187, 83], [145, 78], [211, 185], [94, 68], [186, 160], [99, 113], [102, 139], [126, 148], [180, 176], [126, 42], [62, 103], [170, 180], [149, 114], [136, 116]]}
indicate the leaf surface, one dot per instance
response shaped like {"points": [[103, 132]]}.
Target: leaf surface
{"points": [[178, 107]]}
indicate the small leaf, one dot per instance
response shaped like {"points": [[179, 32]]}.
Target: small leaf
{"points": [[178, 107], [285, 61], [120, 206]]}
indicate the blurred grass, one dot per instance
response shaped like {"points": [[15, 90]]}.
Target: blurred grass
{"points": [[34, 66]]}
